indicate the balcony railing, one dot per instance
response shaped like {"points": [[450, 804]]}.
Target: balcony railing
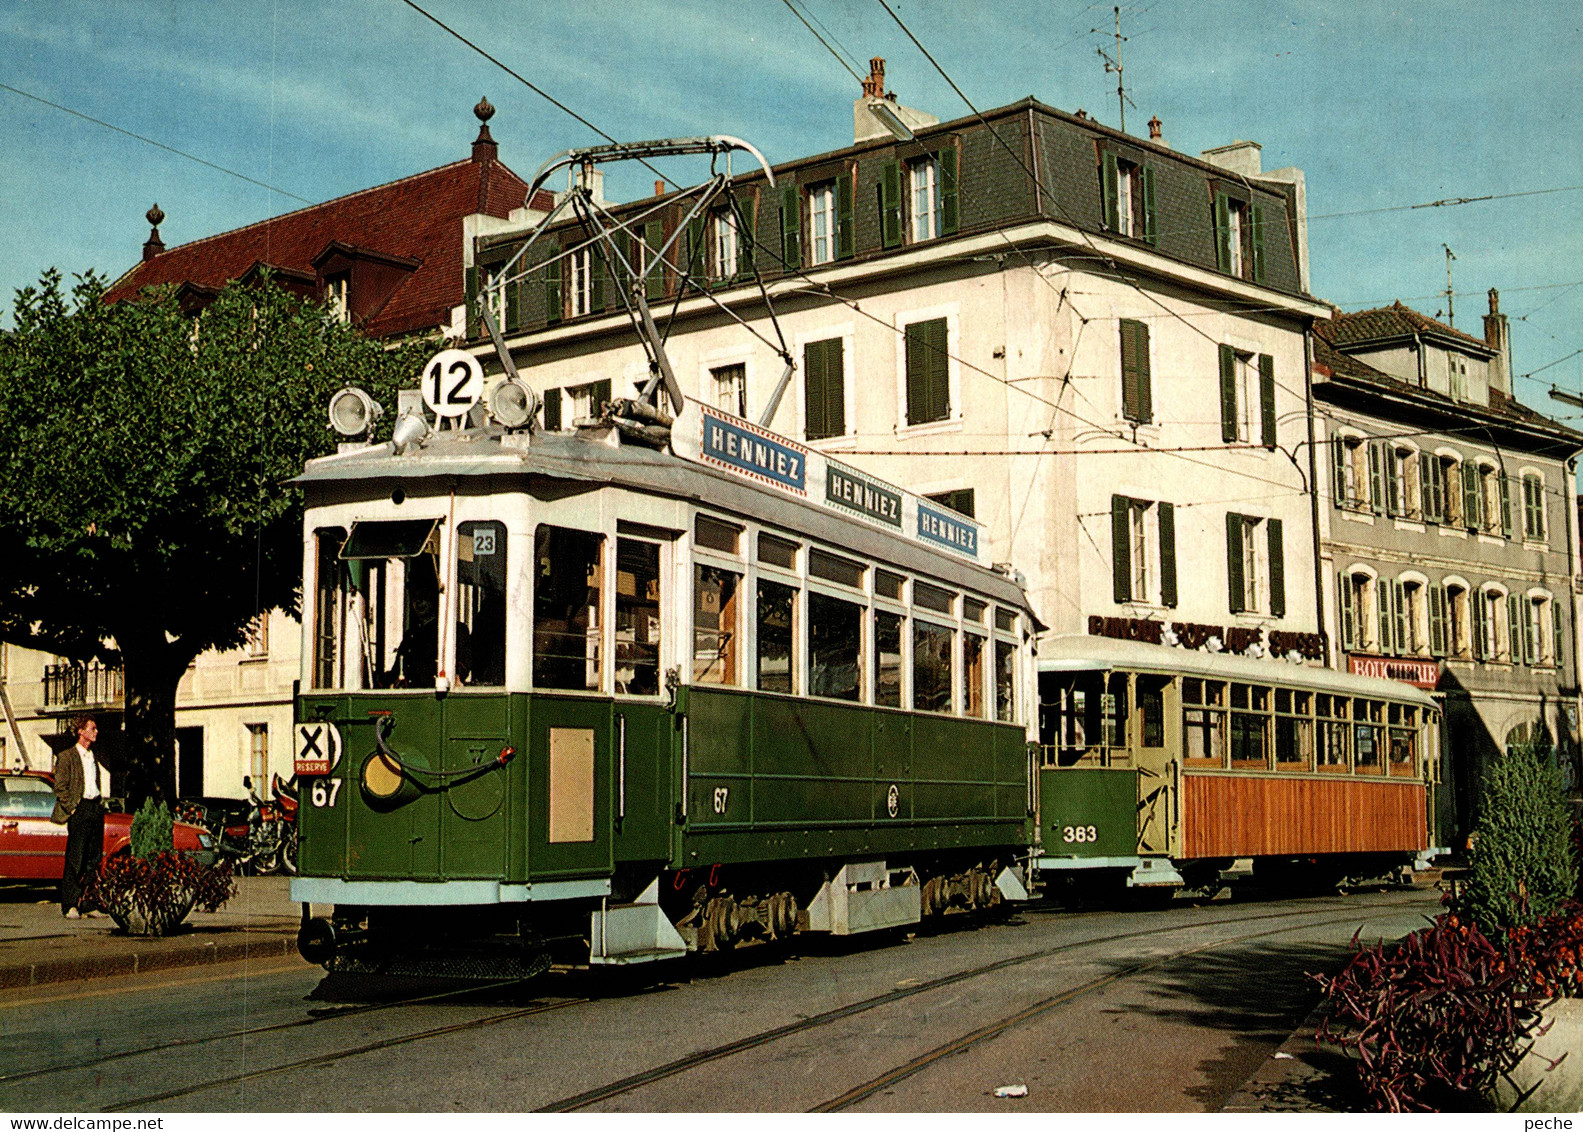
{"points": [[82, 685]]}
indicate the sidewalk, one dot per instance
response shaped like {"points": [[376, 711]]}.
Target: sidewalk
{"points": [[39, 945]]}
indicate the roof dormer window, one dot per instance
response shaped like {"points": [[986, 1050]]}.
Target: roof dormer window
{"points": [[337, 297]]}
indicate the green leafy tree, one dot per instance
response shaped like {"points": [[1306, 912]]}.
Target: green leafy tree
{"points": [[144, 517], [1521, 868]]}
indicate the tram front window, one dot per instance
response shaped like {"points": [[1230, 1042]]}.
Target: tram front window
{"points": [[1005, 681], [973, 675], [567, 597], [481, 605], [329, 607], [835, 647], [1204, 722], [637, 617], [1151, 710], [392, 577]]}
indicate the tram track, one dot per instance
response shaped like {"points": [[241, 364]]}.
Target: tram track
{"points": [[681, 1065]]}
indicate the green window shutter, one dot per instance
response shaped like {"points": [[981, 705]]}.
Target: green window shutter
{"points": [[813, 370], [1131, 390], [1338, 471], [1145, 377], [1347, 601], [1256, 213], [791, 227], [601, 396], [553, 311], [1235, 583], [1376, 478], [825, 389], [917, 376], [552, 410], [1121, 548], [950, 208], [1558, 631], [1167, 525], [1426, 488], [1383, 618], [470, 286], [1437, 620], [1222, 232], [696, 265], [654, 239], [1228, 394], [1399, 617], [747, 236], [1514, 641], [1530, 644], [1471, 517], [1151, 231], [1277, 568], [835, 388], [1479, 614], [1109, 176], [596, 284], [936, 363], [1267, 400], [890, 205], [844, 235], [1393, 480]]}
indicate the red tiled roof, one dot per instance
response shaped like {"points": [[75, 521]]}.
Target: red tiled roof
{"points": [[1390, 322], [416, 218]]}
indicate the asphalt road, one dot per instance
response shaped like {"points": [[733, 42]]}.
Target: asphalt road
{"points": [[1098, 1011]]}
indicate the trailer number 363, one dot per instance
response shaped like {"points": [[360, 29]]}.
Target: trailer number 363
{"points": [[1075, 833], [323, 793]]}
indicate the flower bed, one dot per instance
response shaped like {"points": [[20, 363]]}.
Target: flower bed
{"points": [[152, 895]]}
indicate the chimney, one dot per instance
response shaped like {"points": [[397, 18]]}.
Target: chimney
{"points": [[1155, 128], [659, 188], [154, 245], [877, 114], [1498, 337], [1238, 157], [484, 147]]}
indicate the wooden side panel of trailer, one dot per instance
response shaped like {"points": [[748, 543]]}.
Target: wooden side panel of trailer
{"points": [[1247, 816]]}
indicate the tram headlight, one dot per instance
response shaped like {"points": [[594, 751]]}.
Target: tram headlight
{"points": [[512, 403], [353, 412]]}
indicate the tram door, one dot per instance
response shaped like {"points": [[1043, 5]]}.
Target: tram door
{"points": [[1156, 746]]}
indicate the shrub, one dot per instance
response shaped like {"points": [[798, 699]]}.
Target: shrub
{"points": [[1522, 867], [152, 895], [151, 830], [1436, 1019]]}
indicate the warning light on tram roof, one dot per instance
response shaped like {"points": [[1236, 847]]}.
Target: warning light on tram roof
{"points": [[512, 403], [410, 428], [353, 412]]}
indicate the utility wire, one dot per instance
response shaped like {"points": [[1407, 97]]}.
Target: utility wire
{"points": [[157, 144], [821, 39]]}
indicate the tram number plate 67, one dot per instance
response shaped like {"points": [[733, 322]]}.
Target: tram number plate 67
{"points": [[324, 792], [722, 799], [1075, 834]]}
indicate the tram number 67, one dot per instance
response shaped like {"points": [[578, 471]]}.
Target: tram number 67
{"points": [[722, 798], [323, 793], [1079, 833]]}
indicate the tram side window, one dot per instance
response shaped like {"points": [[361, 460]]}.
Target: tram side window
{"points": [[1116, 706], [481, 604], [777, 610], [1333, 732], [1151, 710], [1204, 722], [567, 599], [835, 648], [1368, 737], [1403, 722], [1005, 681], [637, 617], [973, 675], [1294, 730], [328, 607], [887, 658], [1250, 727], [715, 645], [931, 667], [394, 570]]}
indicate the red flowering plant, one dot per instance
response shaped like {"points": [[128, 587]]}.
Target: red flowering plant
{"points": [[150, 889]]}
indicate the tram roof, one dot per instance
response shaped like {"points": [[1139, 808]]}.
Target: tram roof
{"points": [[1076, 653], [598, 458]]}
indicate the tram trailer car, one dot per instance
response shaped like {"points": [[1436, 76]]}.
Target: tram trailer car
{"points": [[1160, 766], [570, 696]]}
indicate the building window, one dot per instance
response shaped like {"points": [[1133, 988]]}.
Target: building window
{"points": [[1494, 499], [1359, 617], [1492, 626], [1395, 481], [1456, 378], [588, 401], [337, 292], [731, 388], [824, 389], [1349, 472], [1533, 507], [1431, 487], [495, 296], [923, 181], [822, 222], [1459, 640], [1129, 198], [1451, 478], [580, 293], [1143, 548], [1137, 396], [724, 244], [1415, 615], [1239, 238], [1255, 565], [257, 638], [258, 756], [960, 500], [928, 374], [1247, 396]]}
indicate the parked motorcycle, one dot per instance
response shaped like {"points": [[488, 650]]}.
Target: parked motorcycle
{"points": [[271, 845]]}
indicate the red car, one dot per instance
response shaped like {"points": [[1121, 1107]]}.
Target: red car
{"points": [[34, 848]]}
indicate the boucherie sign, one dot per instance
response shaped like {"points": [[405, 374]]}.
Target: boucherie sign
{"points": [[1419, 673]]}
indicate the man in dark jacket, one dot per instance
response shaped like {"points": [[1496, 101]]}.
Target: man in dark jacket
{"points": [[79, 806]]}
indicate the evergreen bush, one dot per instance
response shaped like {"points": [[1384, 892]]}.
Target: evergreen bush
{"points": [[1522, 866], [151, 830]]}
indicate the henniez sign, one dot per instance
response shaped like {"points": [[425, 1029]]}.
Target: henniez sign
{"points": [[1423, 674], [742, 448]]}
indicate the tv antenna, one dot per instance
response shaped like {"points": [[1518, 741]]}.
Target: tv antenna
{"points": [[1115, 65], [1451, 305]]}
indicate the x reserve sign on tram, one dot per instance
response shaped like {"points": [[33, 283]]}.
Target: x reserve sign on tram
{"points": [[318, 748]]}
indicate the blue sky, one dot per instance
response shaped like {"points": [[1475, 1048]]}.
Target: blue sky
{"points": [[1382, 105]]}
